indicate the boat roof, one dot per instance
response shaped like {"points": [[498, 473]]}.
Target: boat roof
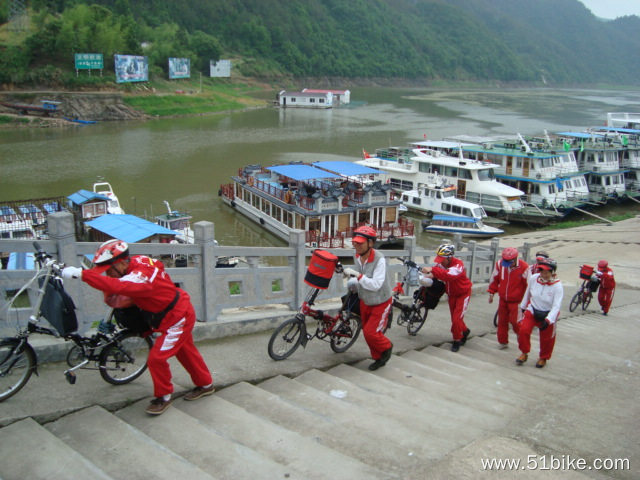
{"points": [[455, 218], [631, 131], [347, 169], [29, 208], [83, 196], [580, 134], [439, 144], [128, 227], [301, 172], [517, 152], [6, 210]]}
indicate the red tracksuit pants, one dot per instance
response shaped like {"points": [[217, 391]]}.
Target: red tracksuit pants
{"points": [[458, 307], [374, 320], [605, 297], [547, 336], [176, 340], [507, 315]]}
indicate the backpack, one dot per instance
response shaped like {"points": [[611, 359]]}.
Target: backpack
{"points": [[430, 296]]}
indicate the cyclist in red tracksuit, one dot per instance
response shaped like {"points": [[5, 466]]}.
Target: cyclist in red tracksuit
{"points": [[452, 272], [607, 286], [143, 281], [509, 281]]}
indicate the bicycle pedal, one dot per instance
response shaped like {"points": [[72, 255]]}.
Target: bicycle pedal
{"points": [[71, 377]]}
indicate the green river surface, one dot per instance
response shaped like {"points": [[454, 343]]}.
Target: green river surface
{"points": [[185, 160]]}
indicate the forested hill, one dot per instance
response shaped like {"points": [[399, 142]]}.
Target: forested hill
{"points": [[542, 41]]}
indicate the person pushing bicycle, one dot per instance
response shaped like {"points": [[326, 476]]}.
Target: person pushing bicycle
{"points": [[167, 308], [607, 286], [374, 290]]}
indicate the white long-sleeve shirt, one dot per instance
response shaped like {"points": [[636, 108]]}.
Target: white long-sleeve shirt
{"points": [[545, 296]]}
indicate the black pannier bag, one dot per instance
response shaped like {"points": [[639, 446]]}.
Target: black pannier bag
{"points": [[430, 296], [58, 307], [132, 318]]}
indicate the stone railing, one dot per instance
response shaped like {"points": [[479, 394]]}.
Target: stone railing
{"points": [[253, 283]]}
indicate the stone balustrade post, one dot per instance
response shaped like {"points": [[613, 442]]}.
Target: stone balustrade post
{"points": [[296, 240], [204, 234]]}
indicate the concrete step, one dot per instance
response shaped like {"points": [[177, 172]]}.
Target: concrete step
{"points": [[340, 434], [467, 387], [251, 428], [413, 415], [393, 434], [410, 374], [440, 410], [513, 389], [120, 450], [203, 446], [36, 454], [283, 446]]}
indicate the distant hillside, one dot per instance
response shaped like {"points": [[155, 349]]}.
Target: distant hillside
{"points": [[540, 41]]}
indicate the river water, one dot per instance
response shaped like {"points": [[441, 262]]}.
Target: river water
{"points": [[185, 160]]}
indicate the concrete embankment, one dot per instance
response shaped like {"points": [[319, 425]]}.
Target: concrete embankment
{"points": [[429, 413]]}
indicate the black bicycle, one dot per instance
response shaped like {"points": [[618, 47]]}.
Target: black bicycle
{"points": [[414, 316], [120, 355], [584, 294]]}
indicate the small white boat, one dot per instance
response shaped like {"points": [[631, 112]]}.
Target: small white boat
{"points": [[440, 199], [113, 206], [467, 226]]}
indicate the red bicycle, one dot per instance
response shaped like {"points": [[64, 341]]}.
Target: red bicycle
{"points": [[340, 330]]}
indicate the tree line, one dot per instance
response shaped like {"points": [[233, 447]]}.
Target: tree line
{"points": [[548, 41]]}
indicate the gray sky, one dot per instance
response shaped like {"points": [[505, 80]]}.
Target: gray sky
{"points": [[613, 8]]}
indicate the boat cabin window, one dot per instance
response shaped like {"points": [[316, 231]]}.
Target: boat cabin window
{"points": [[478, 212], [486, 174], [451, 171], [448, 193], [416, 201]]}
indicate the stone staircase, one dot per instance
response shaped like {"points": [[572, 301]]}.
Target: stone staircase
{"points": [[429, 413]]}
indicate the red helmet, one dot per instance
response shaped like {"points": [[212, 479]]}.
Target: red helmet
{"points": [[603, 264], [548, 264], [366, 232], [109, 253], [509, 253]]}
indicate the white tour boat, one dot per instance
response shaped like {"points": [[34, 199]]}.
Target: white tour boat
{"points": [[466, 226], [327, 200], [475, 180], [440, 198]]}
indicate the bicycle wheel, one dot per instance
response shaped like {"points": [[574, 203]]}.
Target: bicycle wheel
{"points": [[575, 301], [417, 319], [346, 335], [15, 368], [75, 356], [285, 339], [586, 300], [125, 359]]}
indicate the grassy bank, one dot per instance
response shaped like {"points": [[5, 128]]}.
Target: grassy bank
{"points": [[193, 97]]}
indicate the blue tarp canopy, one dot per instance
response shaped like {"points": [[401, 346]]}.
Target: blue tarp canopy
{"points": [[21, 261], [580, 134], [631, 131], [128, 227], [301, 172], [347, 169], [83, 196]]}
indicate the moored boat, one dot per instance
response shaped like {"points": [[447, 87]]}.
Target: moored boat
{"points": [[113, 206], [327, 200], [466, 226]]}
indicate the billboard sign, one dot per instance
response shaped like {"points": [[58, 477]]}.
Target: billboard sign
{"points": [[89, 61], [221, 68], [179, 68], [131, 68]]}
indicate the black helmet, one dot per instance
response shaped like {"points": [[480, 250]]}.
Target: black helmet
{"points": [[547, 264]]}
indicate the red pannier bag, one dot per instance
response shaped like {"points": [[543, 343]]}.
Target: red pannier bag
{"points": [[320, 270], [586, 271]]}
